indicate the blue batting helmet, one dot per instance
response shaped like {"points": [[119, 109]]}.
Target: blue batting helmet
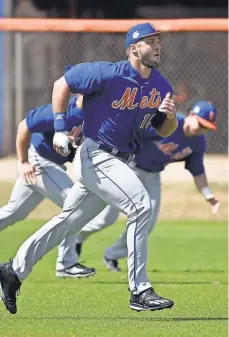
{"points": [[139, 31], [206, 113]]}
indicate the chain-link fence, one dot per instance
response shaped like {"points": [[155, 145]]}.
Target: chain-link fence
{"points": [[194, 62]]}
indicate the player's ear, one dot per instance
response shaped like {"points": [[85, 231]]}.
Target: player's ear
{"points": [[134, 50], [128, 50]]}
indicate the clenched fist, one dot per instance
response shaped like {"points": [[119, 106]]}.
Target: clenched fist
{"points": [[60, 143]]}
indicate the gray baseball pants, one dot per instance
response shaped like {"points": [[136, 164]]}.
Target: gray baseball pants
{"points": [[104, 179], [118, 250]]}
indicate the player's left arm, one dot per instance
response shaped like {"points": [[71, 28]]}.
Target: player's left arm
{"points": [[165, 121], [203, 187], [194, 163]]}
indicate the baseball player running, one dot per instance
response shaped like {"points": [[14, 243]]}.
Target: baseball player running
{"points": [[121, 100], [186, 144]]}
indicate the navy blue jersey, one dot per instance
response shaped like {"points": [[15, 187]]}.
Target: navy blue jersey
{"points": [[158, 152], [40, 122], [119, 105]]}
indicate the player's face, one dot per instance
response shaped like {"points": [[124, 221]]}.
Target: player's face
{"points": [[149, 51], [192, 127]]}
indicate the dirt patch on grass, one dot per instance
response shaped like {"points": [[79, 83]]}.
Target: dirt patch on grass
{"points": [[216, 168], [179, 201], [183, 201]]}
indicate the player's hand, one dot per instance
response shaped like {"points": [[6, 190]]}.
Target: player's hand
{"points": [[60, 143], [215, 204], [168, 106], [27, 171], [75, 136]]}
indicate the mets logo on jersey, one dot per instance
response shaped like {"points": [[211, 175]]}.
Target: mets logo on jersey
{"points": [[128, 100], [168, 148]]}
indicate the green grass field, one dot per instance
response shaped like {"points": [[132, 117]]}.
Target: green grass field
{"points": [[187, 263]]}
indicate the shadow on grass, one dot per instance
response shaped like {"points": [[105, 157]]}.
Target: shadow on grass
{"points": [[89, 282], [192, 271], [162, 282], [131, 318]]}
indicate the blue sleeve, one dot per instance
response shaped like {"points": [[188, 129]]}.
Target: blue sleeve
{"points": [[75, 117], [75, 114], [195, 162], [84, 78], [72, 103], [41, 119]]}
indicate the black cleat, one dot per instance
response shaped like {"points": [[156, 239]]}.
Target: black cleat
{"points": [[149, 300], [112, 265], [10, 286], [78, 249], [76, 271]]}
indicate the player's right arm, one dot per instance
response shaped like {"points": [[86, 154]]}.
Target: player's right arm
{"points": [[84, 78], [60, 97], [37, 120], [26, 169]]}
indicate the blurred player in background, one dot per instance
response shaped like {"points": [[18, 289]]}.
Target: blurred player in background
{"points": [[42, 175], [186, 144]]}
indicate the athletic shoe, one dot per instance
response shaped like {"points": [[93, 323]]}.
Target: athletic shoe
{"points": [[112, 265], [149, 300], [10, 286], [76, 271]]}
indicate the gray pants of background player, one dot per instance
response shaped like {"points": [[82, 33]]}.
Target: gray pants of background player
{"points": [[104, 179], [118, 250], [52, 183]]}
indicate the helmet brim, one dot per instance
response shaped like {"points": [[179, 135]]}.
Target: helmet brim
{"points": [[206, 124]]}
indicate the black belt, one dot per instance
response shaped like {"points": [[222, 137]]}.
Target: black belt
{"points": [[144, 169], [128, 157]]}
